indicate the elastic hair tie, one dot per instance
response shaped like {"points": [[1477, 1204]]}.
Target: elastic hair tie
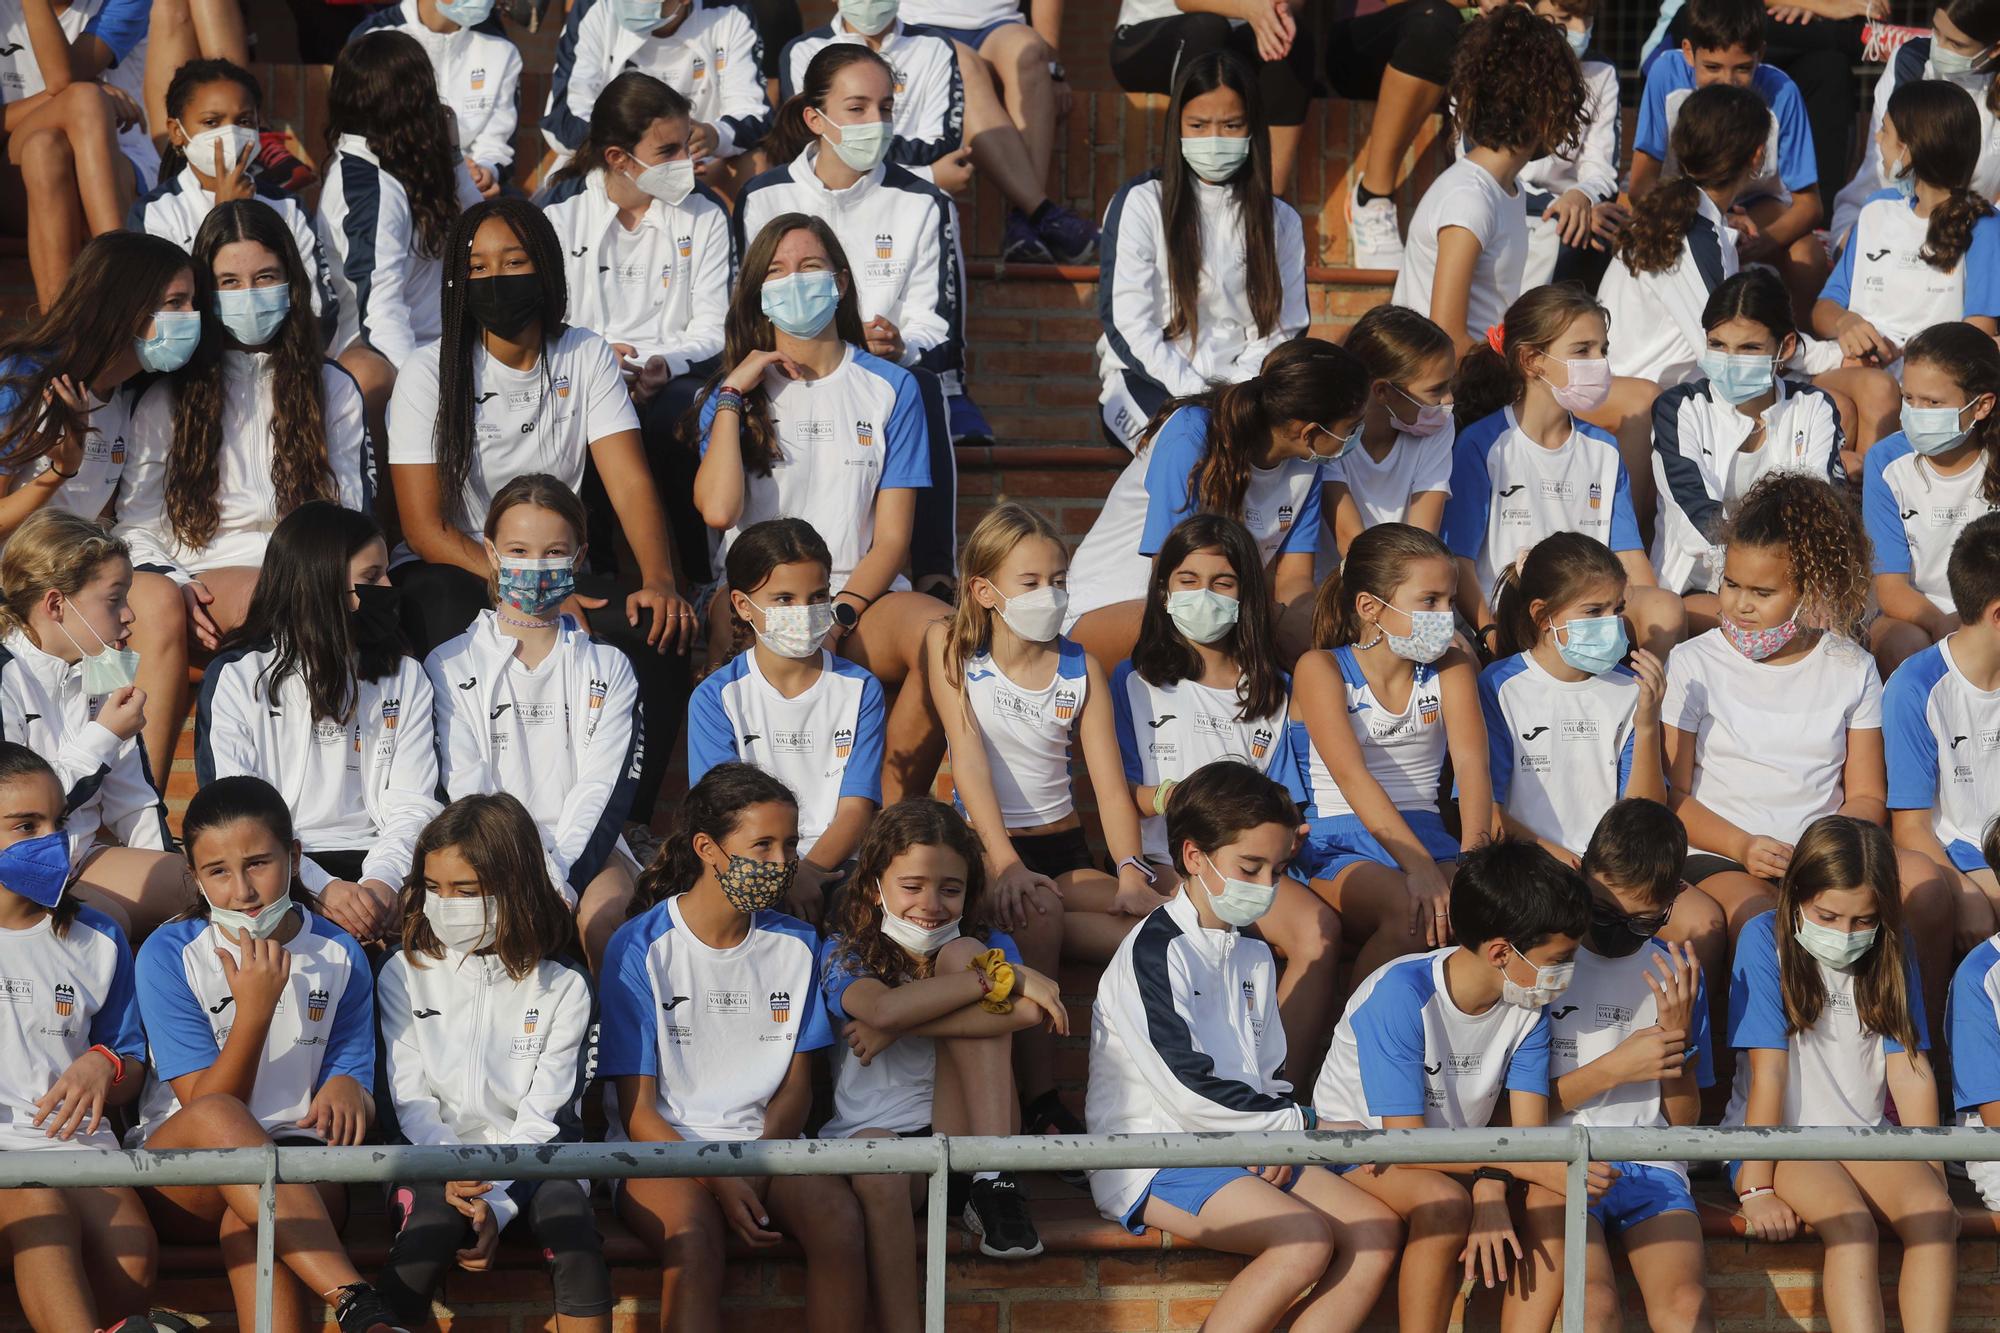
{"points": [[1496, 337]]}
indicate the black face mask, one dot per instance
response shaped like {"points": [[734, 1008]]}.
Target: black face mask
{"points": [[1613, 934], [379, 617], [505, 305]]}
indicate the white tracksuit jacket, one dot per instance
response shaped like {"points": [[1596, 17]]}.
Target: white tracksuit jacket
{"points": [[478, 75], [714, 59], [930, 91]]}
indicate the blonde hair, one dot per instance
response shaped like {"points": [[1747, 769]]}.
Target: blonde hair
{"points": [[53, 549], [971, 627]]}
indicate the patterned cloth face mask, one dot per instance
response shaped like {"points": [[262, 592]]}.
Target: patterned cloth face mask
{"points": [[755, 886]]}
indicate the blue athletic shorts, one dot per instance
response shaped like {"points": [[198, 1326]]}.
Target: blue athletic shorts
{"points": [[1640, 1194], [972, 37], [1965, 856], [1189, 1188], [1338, 841]]}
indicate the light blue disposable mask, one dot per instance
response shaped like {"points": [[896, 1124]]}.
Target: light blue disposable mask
{"points": [[1241, 903], [262, 924], [1836, 948], [106, 670], [869, 17], [1216, 157], [176, 333], [466, 13], [1933, 430], [1954, 65], [862, 146], [1737, 379], [1579, 42], [1905, 182], [1594, 645], [1342, 442], [253, 315], [641, 17], [801, 303], [1203, 614]]}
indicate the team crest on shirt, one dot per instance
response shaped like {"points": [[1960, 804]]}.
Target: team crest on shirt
{"points": [[721, 60], [118, 449], [902, 80], [1427, 708], [316, 1005], [1260, 742], [530, 1019], [392, 711], [885, 245], [562, 386], [685, 244], [781, 1005], [666, 275], [843, 741], [700, 69], [1596, 496], [864, 433], [1285, 515], [1065, 704], [478, 80], [1250, 996], [65, 997], [598, 689]]}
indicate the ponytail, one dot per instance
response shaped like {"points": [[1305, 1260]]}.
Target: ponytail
{"points": [[1555, 572], [1938, 124], [629, 106], [1377, 563], [1715, 140], [713, 807], [789, 136], [1303, 379], [1490, 376], [1660, 222]]}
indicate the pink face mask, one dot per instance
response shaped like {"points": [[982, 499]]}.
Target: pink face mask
{"points": [[1758, 644], [1430, 419], [1589, 385]]}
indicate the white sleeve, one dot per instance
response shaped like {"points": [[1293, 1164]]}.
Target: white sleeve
{"points": [[142, 486], [419, 1115], [131, 807], [702, 338], [324, 303], [494, 148], [1433, 469], [407, 802], [925, 324], [607, 764], [225, 742], [1868, 177], [1597, 159], [589, 72], [349, 454], [461, 769], [374, 259], [413, 406], [1294, 314], [1682, 295], [1867, 714], [744, 115], [1138, 291], [607, 404]]}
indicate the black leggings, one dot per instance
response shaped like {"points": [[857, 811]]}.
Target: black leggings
{"points": [[1146, 57], [1417, 37], [439, 601], [430, 1233]]}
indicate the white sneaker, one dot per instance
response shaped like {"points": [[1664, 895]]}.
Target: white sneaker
{"points": [[1373, 234]]}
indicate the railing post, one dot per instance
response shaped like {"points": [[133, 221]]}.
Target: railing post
{"points": [[267, 1238], [1576, 1232], [934, 1237]]}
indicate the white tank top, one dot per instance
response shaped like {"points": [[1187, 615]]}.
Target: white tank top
{"points": [[1404, 751], [1027, 734]]}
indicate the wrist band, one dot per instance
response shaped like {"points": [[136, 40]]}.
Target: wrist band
{"points": [[1744, 1196], [865, 601], [66, 476], [1160, 794], [729, 400], [117, 1064]]}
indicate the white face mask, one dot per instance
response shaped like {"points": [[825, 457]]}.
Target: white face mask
{"points": [[916, 938], [862, 146], [108, 668], [668, 182], [795, 631], [462, 925], [1037, 615], [238, 142], [1241, 903], [262, 924], [1550, 981]]}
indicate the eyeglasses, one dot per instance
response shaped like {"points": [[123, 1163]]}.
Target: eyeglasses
{"points": [[1650, 923]]}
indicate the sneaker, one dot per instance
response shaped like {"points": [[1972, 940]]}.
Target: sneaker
{"points": [[1373, 233], [277, 164], [359, 1308], [998, 1214], [1048, 1115], [1019, 244], [1068, 236], [153, 1321]]}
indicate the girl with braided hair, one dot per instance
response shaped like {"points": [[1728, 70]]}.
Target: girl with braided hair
{"points": [[258, 423]]}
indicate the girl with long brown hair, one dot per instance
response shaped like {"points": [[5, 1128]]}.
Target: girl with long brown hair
{"points": [[1202, 266], [257, 424], [806, 423], [1255, 452], [1825, 1004], [929, 994]]}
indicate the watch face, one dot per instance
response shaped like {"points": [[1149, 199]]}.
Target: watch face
{"points": [[845, 614]]}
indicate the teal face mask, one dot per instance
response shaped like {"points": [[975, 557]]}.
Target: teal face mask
{"points": [[1215, 157], [253, 315], [1594, 645], [1737, 379], [801, 303], [176, 333], [1933, 430]]}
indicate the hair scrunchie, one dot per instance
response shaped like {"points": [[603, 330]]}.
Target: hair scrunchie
{"points": [[1496, 338]]}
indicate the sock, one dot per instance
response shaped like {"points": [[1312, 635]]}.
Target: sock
{"points": [[1042, 213], [985, 1175], [1364, 195]]}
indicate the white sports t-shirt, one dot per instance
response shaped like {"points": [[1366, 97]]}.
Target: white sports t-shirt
{"points": [[1027, 734], [1466, 195], [64, 994], [539, 420], [1560, 751], [1382, 491], [716, 1027], [1883, 277], [1941, 737], [1405, 1048], [1914, 513], [1836, 1074], [1972, 1025], [1770, 741], [1404, 751]]}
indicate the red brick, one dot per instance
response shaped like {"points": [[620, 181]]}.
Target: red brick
{"points": [[1090, 485], [962, 1317], [1085, 1316], [1801, 1302], [1738, 1302], [998, 1274]]}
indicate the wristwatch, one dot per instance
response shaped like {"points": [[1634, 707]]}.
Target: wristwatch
{"points": [[845, 616], [1057, 72]]}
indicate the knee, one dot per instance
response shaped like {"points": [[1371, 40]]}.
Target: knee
{"points": [[1850, 1228], [45, 159], [1313, 1243], [832, 1226], [85, 107], [1316, 937], [1444, 1210], [955, 957], [1032, 57], [878, 1193], [219, 1120]]}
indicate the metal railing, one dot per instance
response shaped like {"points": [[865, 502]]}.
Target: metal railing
{"points": [[937, 1157]]}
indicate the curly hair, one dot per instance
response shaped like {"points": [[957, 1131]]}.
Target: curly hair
{"points": [[1970, 359], [1180, 205], [1938, 123], [749, 330], [1717, 136], [1516, 85], [383, 90], [1489, 380], [856, 919], [1820, 532], [187, 79], [298, 453]]}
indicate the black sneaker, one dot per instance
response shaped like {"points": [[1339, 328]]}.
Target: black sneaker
{"points": [[359, 1308], [1048, 1115], [1069, 237], [997, 1213]]}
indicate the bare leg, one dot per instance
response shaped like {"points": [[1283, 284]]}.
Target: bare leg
{"points": [[1659, 618], [1374, 905], [602, 907], [1666, 1255], [1437, 1212], [1699, 923], [1020, 60], [45, 1236], [1290, 1244], [1402, 106], [1827, 1199], [142, 888], [1929, 920], [1040, 940], [1092, 926], [1877, 406], [889, 641], [1367, 1235], [1534, 1287], [1894, 642], [1284, 157], [823, 1216], [892, 1244], [56, 227], [376, 379], [1628, 414], [1741, 896], [1306, 931], [680, 1225], [998, 149], [160, 634], [1911, 1197]]}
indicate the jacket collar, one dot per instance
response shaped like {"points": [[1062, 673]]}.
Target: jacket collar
{"points": [[859, 192]]}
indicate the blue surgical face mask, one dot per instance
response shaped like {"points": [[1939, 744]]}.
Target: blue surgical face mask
{"points": [[1216, 157], [801, 303], [1737, 379], [1342, 443], [253, 315], [641, 17], [37, 868], [466, 13], [1933, 430], [1905, 181], [1579, 42], [1836, 948], [176, 333], [1953, 65], [1594, 645]]}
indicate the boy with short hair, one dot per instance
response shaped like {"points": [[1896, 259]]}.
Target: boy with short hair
{"points": [[1629, 1049], [1432, 1040], [1941, 735], [1725, 44]]}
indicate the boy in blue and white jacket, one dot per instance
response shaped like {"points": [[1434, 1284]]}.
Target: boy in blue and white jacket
{"points": [[478, 72]]}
